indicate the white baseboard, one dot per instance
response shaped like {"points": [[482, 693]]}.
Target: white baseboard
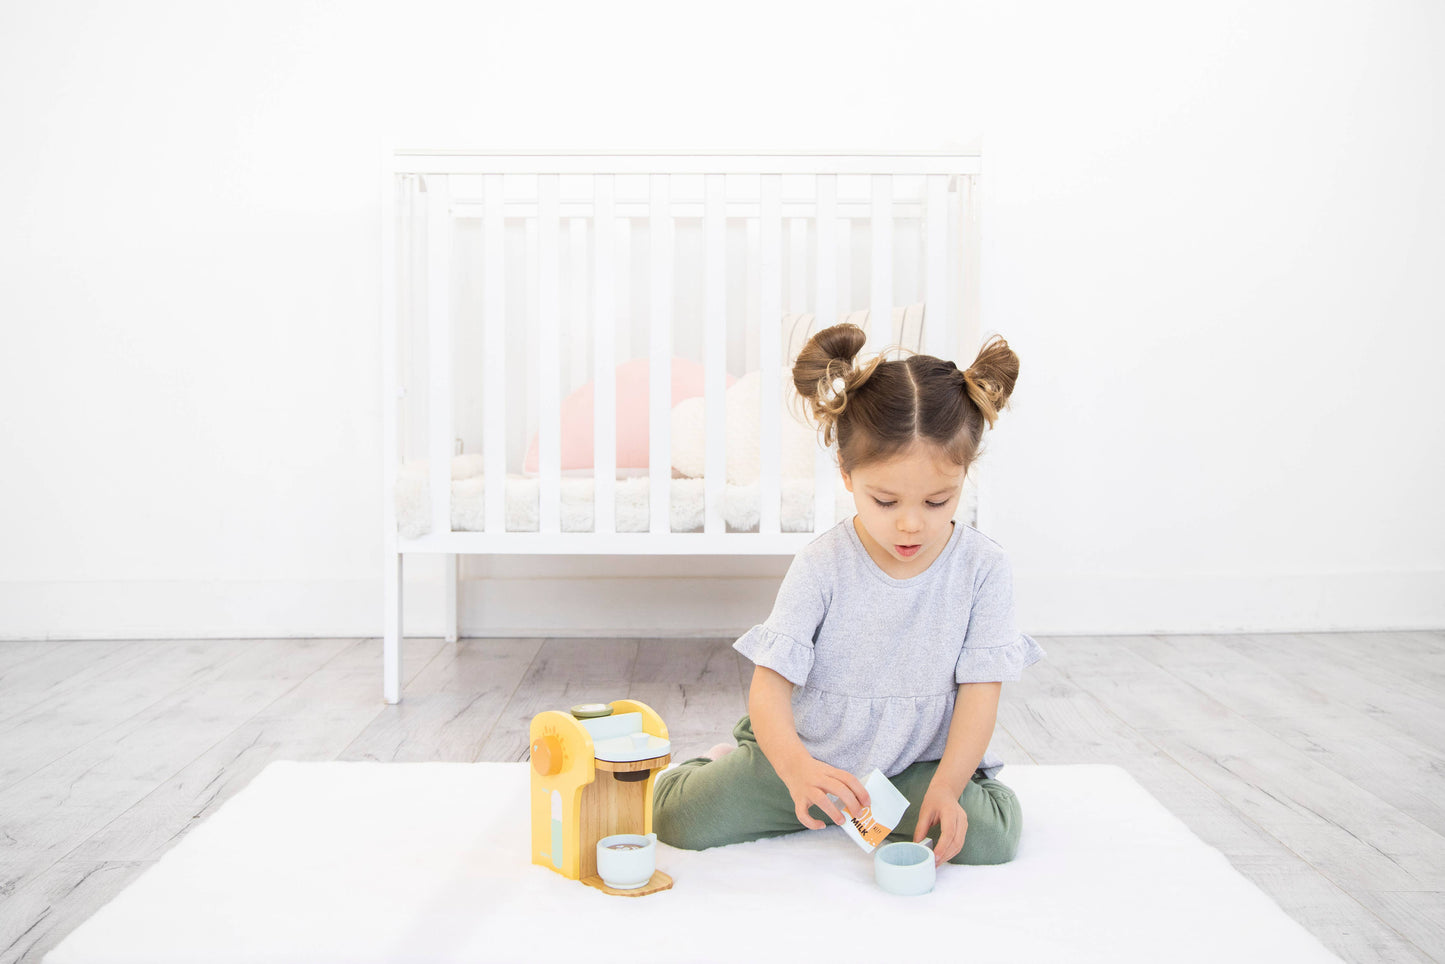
{"points": [[1049, 604]]}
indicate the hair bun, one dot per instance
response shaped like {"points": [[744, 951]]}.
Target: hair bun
{"points": [[990, 380], [824, 373]]}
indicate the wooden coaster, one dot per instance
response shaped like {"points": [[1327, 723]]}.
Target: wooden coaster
{"points": [[659, 882]]}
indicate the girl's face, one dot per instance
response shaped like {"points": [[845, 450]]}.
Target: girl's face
{"points": [[905, 508]]}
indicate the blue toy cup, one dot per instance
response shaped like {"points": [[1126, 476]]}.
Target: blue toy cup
{"points": [[904, 868], [625, 861]]}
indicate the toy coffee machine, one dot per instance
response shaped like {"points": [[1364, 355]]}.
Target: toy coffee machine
{"points": [[592, 778]]}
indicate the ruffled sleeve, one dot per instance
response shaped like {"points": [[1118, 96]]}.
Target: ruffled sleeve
{"points": [[784, 642], [994, 650], [998, 663], [782, 654]]}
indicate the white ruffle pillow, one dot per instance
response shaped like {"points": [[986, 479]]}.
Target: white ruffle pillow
{"points": [[742, 412]]}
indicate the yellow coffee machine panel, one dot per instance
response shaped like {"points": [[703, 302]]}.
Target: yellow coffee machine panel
{"points": [[592, 777]]}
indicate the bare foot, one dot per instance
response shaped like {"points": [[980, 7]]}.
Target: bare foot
{"points": [[720, 750]]}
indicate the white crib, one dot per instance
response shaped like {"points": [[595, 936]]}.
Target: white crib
{"points": [[517, 288]]}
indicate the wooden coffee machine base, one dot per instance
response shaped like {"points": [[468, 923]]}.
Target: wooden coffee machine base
{"points": [[659, 882]]}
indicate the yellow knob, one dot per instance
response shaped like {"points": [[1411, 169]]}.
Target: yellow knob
{"points": [[547, 756]]}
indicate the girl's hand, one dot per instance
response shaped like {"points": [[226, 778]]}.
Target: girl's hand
{"points": [[809, 782], [941, 807]]}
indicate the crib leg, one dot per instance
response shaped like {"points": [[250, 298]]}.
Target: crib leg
{"points": [[450, 572], [392, 630]]}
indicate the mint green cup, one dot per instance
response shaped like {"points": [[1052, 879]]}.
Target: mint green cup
{"points": [[904, 868], [625, 861]]}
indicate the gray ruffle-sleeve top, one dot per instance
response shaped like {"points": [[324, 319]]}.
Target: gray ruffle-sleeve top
{"points": [[876, 661]]}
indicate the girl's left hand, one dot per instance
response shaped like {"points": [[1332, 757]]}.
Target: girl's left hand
{"points": [[942, 808]]}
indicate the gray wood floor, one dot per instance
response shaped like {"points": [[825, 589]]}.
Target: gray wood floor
{"points": [[1315, 763]]}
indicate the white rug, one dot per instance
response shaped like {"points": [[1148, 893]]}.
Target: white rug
{"points": [[361, 862]]}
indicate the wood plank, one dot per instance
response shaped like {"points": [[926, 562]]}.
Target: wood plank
{"points": [[1397, 768], [1011, 750], [112, 691], [1419, 915], [54, 810], [1411, 708], [451, 707], [1424, 642], [1413, 657], [71, 669], [315, 720], [1316, 903], [1339, 828], [29, 667], [1057, 720], [1003, 742], [564, 673], [745, 674], [693, 684], [39, 915], [350, 681], [14, 652]]}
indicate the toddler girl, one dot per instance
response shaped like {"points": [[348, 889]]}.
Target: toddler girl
{"points": [[891, 634]]}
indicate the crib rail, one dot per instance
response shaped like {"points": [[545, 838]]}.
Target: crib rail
{"points": [[579, 205], [424, 161]]}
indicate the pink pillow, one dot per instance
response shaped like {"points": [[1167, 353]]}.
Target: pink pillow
{"points": [[632, 417]]}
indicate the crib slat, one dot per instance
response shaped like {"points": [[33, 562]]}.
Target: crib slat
{"points": [[826, 278], [577, 374], [549, 426], [494, 358], [964, 226], [715, 352], [938, 310], [751, 270], [770, 350], [396, 210], [825, 469], [797, 266], [880, 299], [659, 369], [395, 282], [439, 350], [413, 321], [604, 354], [623, 279]]}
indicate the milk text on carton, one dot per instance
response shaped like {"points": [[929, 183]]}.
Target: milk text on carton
{"points": [[873, 823], [869, 829]]}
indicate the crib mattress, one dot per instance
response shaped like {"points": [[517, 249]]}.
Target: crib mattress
{"points": [[740, 504]]}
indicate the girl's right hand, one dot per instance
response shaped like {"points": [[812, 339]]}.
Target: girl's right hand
{"points": [[809, 782]]}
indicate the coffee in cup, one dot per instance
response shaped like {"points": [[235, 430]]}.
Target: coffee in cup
{"points": [[625, 861]]}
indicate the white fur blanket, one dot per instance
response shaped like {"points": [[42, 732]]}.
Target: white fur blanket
{"points": [[383, 862]]}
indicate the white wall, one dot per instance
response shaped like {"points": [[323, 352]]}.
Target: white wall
{"points": [[1212, 238], [1214, 234]]}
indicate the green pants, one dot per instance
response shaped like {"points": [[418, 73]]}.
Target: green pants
{"points": [[707, 803]]}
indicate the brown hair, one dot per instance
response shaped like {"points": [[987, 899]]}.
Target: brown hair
{"points": [[881, 408]]}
